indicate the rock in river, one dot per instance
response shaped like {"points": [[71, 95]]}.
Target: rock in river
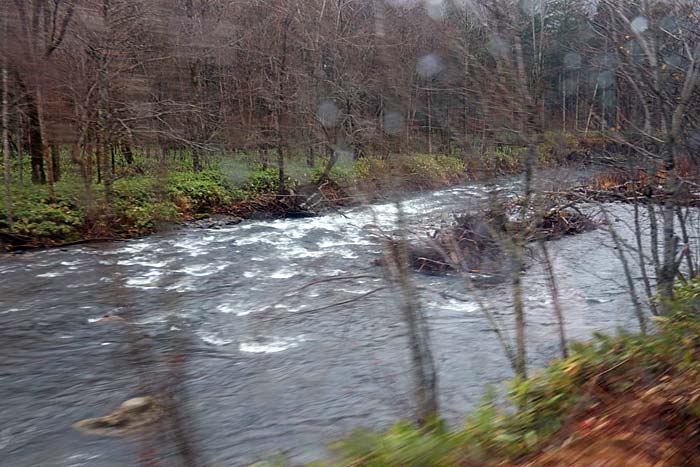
{"points": [[132, 416]]}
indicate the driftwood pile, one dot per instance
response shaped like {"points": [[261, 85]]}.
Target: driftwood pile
{"points": [[480, 242], [559, 222], [269, 206], [308, 201], [610, 187], [626, 194]]}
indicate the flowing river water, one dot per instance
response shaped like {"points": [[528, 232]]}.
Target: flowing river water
{"points": [[212, 317]]}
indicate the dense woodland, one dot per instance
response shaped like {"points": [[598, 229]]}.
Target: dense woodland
{"points": [[112, 79], [120, 114]]}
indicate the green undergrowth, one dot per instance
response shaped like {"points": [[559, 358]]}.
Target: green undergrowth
{"points": [[539, 406], [554, 148], [421, 171], [140, 203], [145, 196]]}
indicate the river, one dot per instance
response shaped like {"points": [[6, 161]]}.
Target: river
{"points": [[213, 316]]}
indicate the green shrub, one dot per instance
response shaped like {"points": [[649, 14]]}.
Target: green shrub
{"points": [[432, 168], [198, 191], [135, 190], [403, 445], [265, 181], [425, 170], [557, 146], [340, 174], [506, 159], [41, 220], [367, 169], [143, 218], [687, 296], [140, 202]]}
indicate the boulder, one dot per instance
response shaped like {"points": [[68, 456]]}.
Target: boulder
{"points": [[130, 417]]}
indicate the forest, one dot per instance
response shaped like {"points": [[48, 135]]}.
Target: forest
{"points": [[250, 228]]}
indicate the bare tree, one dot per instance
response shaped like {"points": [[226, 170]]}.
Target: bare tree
{"points": [[6, 135], [425, 378], [662, 64]]}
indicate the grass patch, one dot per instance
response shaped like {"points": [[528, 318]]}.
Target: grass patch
{"points": [[417, 171]]}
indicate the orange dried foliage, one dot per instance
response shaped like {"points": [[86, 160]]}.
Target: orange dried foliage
{"points": [[648, 426]]}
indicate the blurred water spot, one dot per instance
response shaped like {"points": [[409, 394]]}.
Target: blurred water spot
{"points": [[393, 123], [530, 7], [572, 61], [435, 8], [605, 79], [639, 24], [568, 86], [497, 47], [428, 65], [328, 114], [402, 3], [669, 23], [673, 60]]}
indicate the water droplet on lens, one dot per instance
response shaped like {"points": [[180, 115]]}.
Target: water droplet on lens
{"points": [[328, 114], [428, 65], [639, 24]]}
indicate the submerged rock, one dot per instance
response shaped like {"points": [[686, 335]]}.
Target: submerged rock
{"points": [[133, 415], [216, 221]]}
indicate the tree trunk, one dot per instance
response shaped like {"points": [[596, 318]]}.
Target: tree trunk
{"points": [[280, 168], [55, 162], [332, 159], [620, 248], [43, 145], [20, 148], [642, 260], [264, 158], [430, 125], [113, 156], [686, 240], [554, 289], [128, 154], [519, 309], [424, 373], [196, 159], [36, 145], [98, 164], [310, 158], [6, 146], [281, 109], [103, 146], [668, 266]]}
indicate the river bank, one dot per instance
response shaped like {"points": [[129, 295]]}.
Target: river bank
{"points": [[146, 204], [154, 200]]}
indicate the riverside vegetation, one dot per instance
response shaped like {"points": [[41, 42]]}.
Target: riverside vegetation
{"points": [[147, 198], [144, 202], [625, 400]]}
